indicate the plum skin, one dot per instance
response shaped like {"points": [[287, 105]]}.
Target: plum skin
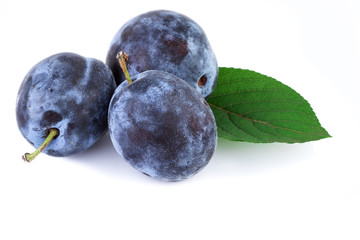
{"points": [[68, 92], [167, 41], [162, 127]]}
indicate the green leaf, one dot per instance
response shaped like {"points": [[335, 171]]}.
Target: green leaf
{"points": [[252, 107]]}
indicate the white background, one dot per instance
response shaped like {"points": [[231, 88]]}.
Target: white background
{"points": [[248, 191]]}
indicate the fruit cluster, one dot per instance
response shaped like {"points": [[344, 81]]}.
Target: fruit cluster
{"points": [[150, 95]]}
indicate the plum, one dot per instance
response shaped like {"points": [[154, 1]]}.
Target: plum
{"points": [[167, 41], [161, 126], [65, 96]]}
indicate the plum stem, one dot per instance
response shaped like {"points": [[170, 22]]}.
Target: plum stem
{"points": [[122, 58], [53, 133]]}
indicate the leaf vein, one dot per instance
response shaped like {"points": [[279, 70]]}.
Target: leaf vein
{"points": [[223, 129], [241, 129], [214, 94], [277, 110], [254, 120], [236, 81], [263, 101]]}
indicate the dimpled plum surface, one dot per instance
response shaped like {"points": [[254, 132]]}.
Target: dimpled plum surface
{"points": [[167, 41], [68, 92], [162, 127]]}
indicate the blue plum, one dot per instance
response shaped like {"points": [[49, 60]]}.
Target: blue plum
{"points": [[67, 92], [161, 126], [167, 41]]}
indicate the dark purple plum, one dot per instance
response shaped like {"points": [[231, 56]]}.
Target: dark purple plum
{"points": [[161, 126], [69, 93], [167, 41]]}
